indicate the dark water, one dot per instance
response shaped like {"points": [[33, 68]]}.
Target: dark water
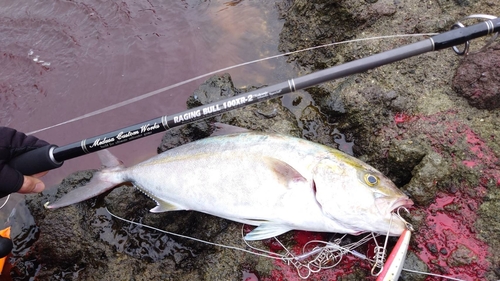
{"points": [[63, 59]]}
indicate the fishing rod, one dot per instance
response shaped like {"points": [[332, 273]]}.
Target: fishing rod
{"points": [[53, 156]]}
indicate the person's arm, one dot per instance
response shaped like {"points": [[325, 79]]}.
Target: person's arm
{"points": [[12, 144]]}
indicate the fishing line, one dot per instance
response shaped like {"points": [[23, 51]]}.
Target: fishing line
{"points": [[329, 256], [5, 203], [328, 249], [274, 256], [158, 91], [267, 253], [263, 253], [330, 252], [432, 274], [380, 252], [409, 227]]}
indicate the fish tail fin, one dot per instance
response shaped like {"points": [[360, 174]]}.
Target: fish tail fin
{"points": [[101, 181]]}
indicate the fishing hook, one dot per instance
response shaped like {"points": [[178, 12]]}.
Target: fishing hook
{"points": [[379, 251], [408, 225], [458, 24]]}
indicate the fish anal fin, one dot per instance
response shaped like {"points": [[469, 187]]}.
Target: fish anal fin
{"points": [[267, 230], [284, 171], [165, 207]]}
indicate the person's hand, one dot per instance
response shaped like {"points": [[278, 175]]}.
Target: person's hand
{"points": [[13, 144], [32, 184]]}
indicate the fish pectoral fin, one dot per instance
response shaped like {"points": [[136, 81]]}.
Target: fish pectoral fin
{"points": [[163, 206], [267, 230], [284, 171]]}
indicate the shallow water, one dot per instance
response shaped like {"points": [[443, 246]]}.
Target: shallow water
{"points": [[64, 59]]}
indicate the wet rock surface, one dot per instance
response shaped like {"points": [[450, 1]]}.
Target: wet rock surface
{"points": [[427, 122], [413, 262], [409, 119]]}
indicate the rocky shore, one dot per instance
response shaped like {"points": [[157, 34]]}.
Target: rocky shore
{"points": [[430, 123]]}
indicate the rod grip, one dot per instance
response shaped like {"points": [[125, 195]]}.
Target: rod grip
{"points": [[36, 161]]}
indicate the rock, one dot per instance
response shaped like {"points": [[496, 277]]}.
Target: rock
{"points": [[488, 227], [331, 104], [430, 170], [181, 135], [414, 263], [404, 118], [315, 30], [356, 275], [476, 79], [313, 23], [214, 88], [404, 155], [461, 256], [312, 121]]}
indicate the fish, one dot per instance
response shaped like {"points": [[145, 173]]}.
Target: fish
{"points": [[275, 182]]}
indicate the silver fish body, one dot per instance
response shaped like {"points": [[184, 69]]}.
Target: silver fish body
{"points": [[276, 182]]}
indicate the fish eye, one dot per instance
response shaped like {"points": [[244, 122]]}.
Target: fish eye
{"points": [[371, 180]]}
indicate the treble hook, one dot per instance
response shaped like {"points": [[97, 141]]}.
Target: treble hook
{"points": [[458, 24]]}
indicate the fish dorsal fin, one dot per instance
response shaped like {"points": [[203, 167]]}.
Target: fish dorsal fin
{"points": [[108, 160], [225, 129], [267, 230], [284, 171]]}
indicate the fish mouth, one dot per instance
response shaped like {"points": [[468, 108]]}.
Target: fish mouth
{"points": [[403, 202], [387, 207]]}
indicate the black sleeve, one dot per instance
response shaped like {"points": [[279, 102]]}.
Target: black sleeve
{"points": [[12, 144]]}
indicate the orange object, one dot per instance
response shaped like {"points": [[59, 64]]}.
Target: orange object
{"points": [[4, 233]]}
